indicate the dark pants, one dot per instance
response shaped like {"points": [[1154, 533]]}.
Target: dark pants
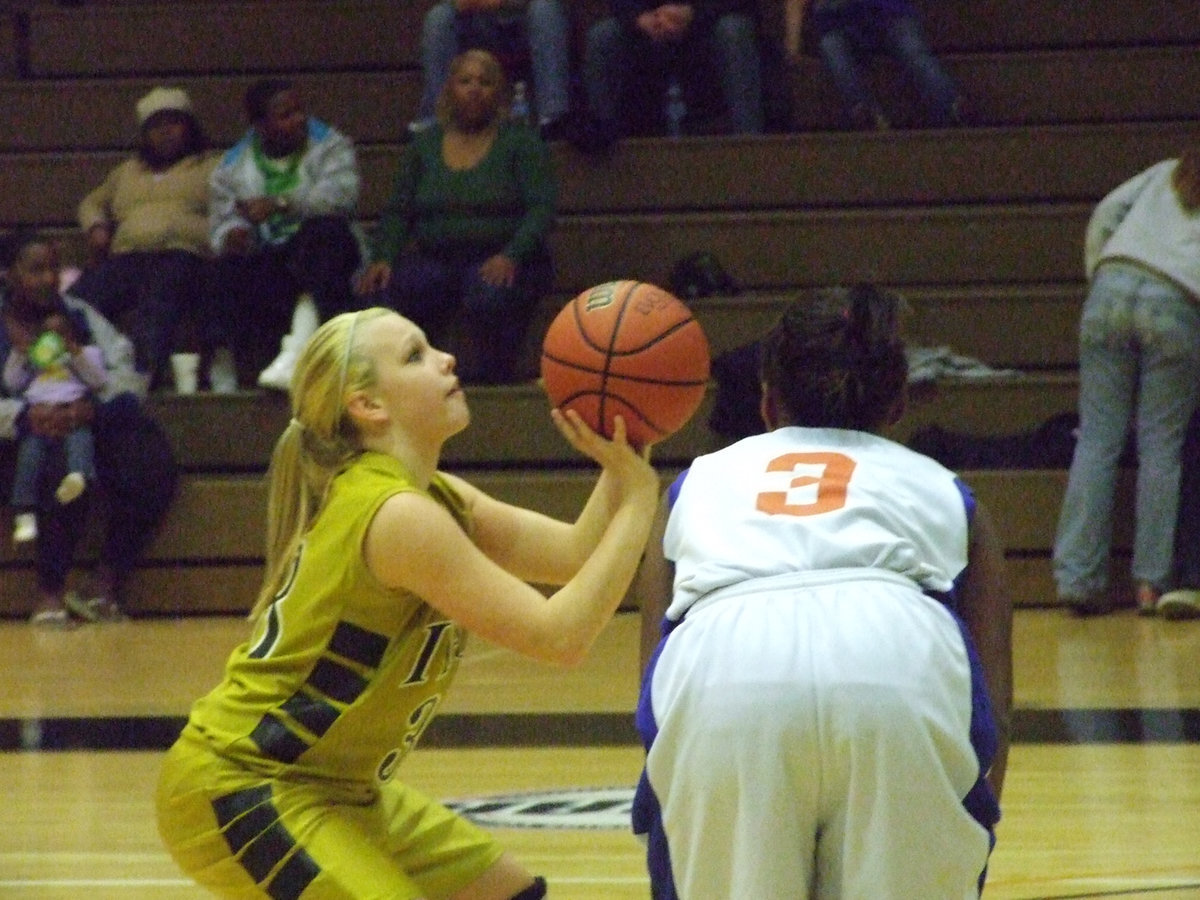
{"points": [[847, 43], [136, 477], [146, 295], [1187, 528], [256, 294], [446, 297], [718, 66]]}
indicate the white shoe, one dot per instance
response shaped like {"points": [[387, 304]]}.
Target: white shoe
{"points": [[222, 374], [1180, 604], [24, 527], [70, 487], [278, 375]]}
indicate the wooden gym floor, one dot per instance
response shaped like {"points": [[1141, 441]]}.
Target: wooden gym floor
{"points": [[1102, 796]]}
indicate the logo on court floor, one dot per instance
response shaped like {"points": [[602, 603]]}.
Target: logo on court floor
{"points": [[576, 808]]}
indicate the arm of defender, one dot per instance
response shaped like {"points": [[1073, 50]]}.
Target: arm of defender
{"points": [[653, 585], [987, 610]]}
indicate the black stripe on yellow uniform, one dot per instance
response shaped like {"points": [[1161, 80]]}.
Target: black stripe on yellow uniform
{"points": [[267, 851], [336, 681]]}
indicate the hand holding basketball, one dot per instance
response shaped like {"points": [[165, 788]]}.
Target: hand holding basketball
{"points": [[631, 349]]}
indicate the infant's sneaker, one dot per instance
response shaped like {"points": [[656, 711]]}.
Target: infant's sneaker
{"points": [[24, 527], [70, 487]]}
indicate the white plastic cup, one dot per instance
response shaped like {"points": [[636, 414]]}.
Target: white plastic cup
{"points": [[185, 367]]}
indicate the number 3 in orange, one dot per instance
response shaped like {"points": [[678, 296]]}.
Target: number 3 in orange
{"points": [[835, 471]]}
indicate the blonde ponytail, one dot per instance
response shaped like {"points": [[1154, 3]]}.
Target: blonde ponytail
{"points": [[319, 441]]}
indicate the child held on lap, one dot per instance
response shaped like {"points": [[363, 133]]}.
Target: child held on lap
{"points": [[53, 367]]}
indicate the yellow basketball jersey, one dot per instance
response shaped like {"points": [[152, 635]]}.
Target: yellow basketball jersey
{"points": [[341, 675]]}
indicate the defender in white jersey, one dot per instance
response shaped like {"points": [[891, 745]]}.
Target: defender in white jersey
{"points": [[816, 716]]}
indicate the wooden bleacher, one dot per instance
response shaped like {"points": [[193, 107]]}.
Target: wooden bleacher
{"points": [[980, 228]]}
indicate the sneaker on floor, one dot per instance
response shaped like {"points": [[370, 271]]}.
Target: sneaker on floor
{"points": [[278, 375], [53, 617], [100, 608], [70, 487], [24, 527], [51, 611], [1181, 604]]}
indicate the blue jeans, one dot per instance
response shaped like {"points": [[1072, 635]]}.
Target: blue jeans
{"points": [[32, 451], [1139, 354], [901, 38], [622, 68], [546, 37]]}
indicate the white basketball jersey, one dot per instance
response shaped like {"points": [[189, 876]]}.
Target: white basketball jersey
{"points": [[796, 499]]}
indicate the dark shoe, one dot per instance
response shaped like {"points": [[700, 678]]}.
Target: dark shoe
{"points": [[1098, 603], [561, 129], [593, 137], [869, 118], [961, 112]]}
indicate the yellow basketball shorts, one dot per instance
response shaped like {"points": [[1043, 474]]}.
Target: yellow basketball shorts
{"points": [[243, 836]]}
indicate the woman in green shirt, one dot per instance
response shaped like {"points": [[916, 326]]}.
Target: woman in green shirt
{"points": [[462, 243]]}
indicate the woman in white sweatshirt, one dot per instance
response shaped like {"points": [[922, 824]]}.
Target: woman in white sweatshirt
{"points": [[1139, 355]]}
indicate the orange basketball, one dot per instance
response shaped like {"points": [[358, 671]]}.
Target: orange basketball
{"points": [[631, 349]]}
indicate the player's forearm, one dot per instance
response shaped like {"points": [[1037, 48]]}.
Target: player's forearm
{"points": [[597, 513], [584, 605]]}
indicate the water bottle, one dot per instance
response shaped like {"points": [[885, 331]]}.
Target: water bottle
{"points": [[676, 109], [520, 103]]}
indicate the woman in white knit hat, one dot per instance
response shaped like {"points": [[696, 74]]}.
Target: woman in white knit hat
{"points": [[147, 233]]}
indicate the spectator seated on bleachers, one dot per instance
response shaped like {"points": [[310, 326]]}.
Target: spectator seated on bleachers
{"points": [[284, 201], [849, 33], [135, 466], [531, 38], [147, 234], [703, 55], [461, 246]]}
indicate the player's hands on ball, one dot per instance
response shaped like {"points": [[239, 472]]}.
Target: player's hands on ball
{"points": [[630, 465]]}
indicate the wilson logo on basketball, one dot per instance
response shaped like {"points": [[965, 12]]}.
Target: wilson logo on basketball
{"points": [[599, 297]]}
